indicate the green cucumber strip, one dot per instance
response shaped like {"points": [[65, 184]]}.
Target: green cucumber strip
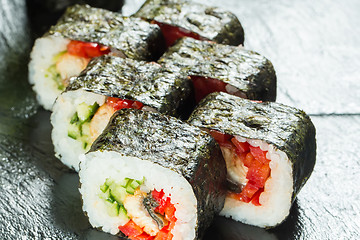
{"points": [[58, 55], [104, 188], [55, 76], [141, 181], [73, 131], [85, 129], [112, 208], [134, 184], [85, 112], [124, 182], [130, 190], [75, 118], [127, 181], [110, 198], [119, 193], [109, 181], [123, 212]]}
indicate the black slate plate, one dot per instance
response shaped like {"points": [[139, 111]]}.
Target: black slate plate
{"points": [[39, 197]]}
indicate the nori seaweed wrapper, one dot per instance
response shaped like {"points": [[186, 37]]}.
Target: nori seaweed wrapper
{"points": [[211, 23], [134, 37], [246, 70], [176, 145], [288, 129], [146, 82]]}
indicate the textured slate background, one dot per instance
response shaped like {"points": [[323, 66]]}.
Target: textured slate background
{"points": [[314, 46]]}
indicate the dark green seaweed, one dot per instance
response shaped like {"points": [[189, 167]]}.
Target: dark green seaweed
{"points": [[246, 70], [175, 145], [212, 23], [154, 86], [134, 37], [288, 129]]}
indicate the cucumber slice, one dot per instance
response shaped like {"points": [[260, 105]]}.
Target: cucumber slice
{"points": [[124, 182], [104, 188], [85, 146], [123, 212], [112, 208], [130, 190], [109, 181], [53, 73], [75, 118], [85, 129], [110, 198], [58, 55], [141, 181], [74, 131], [134, 184], [128, 181], [85, 112], [105, 195], [119, 193]]}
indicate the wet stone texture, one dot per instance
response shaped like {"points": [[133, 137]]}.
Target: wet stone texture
{"points": [[314, 48]]}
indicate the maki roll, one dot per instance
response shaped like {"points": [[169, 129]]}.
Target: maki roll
{"points": [[220, 68], [180, 18], [269, 150], [151, 176], [106, 85], [84, 32]]}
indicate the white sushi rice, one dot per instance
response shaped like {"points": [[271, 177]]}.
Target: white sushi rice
{"points": [[66, 148], [41, 58], [275, 200], [96, 167]]}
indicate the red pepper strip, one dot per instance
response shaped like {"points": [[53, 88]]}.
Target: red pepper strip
{"points": [[255, 199], [248, 192], [204, 86], [258, 173], [163, 235], [222, 139], [248, 160], [172, 33], [137, 105], [131, 229], [143, 236], [118, 103], [259, 154], [86, 49], [241, 146]]}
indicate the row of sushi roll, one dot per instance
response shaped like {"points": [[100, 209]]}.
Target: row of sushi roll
{"points": [[163, 147]]}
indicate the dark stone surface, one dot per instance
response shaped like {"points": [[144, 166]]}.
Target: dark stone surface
{"points": [[314, 46]]}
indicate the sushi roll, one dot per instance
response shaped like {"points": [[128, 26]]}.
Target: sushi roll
{"points": [[84, 32], [220, 68], [106, 85], [269, 150], [179, 18], [151, 176]]}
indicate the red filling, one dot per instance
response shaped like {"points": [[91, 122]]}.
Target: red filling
{"points": [[204, 86], [166, 209], [86, 49], [256, 162], [118, 103], [172, 33]]}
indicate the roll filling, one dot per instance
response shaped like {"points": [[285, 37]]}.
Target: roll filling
{"points": [[152, 176], [269, 150], [82, 33], [215, 67], [107, 85], [183, 18]]}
